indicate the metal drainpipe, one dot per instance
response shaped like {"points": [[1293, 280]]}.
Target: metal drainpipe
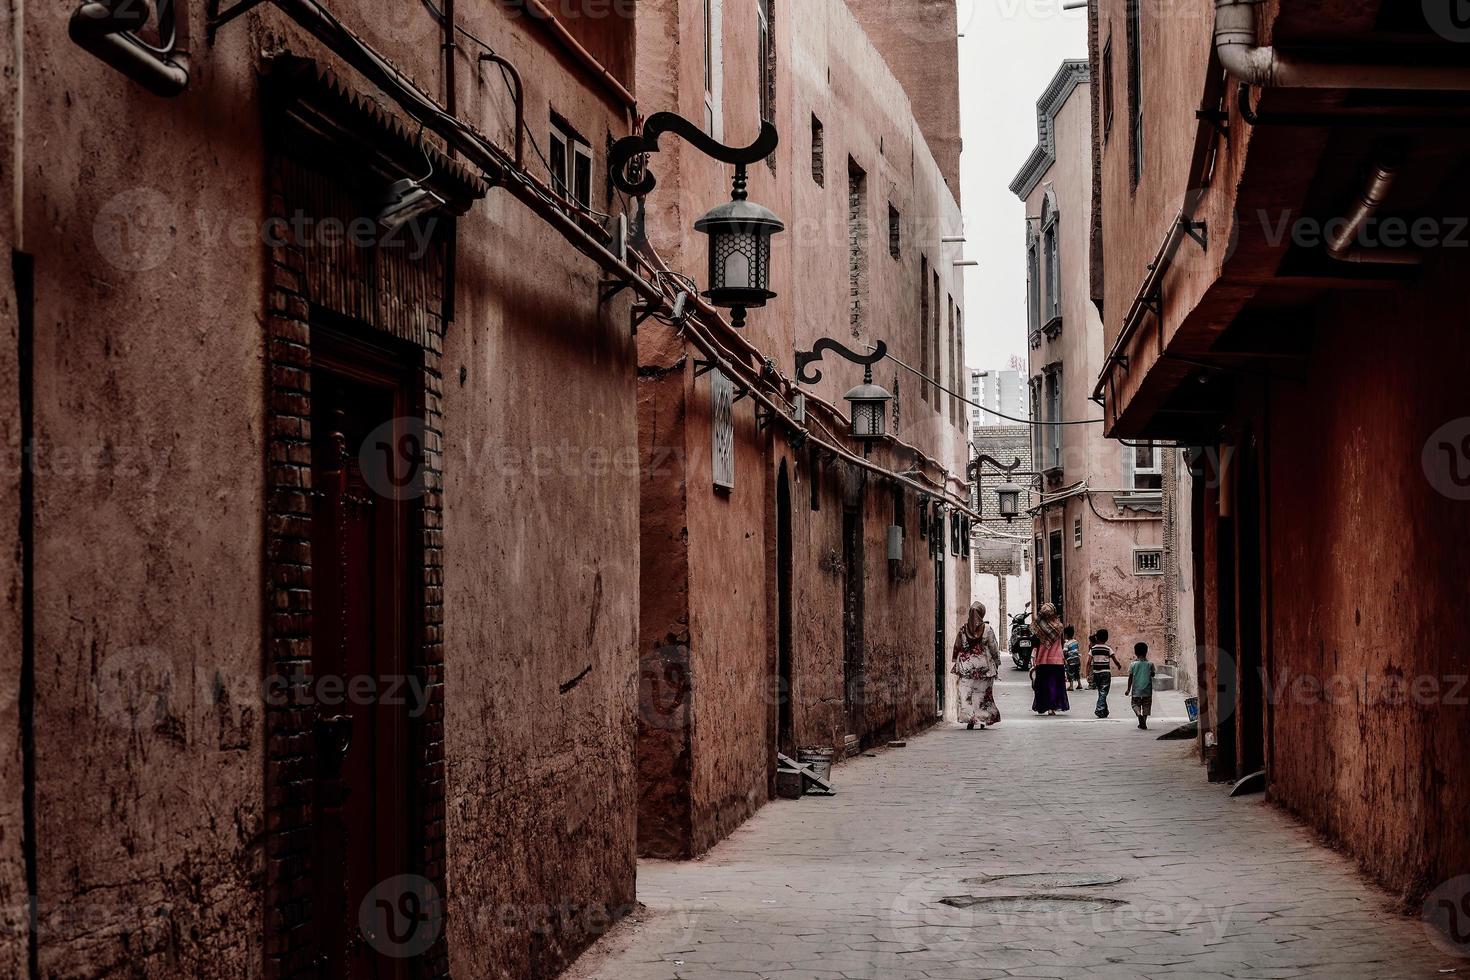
{"points": [[1243, 56], [1237, 44], [1341, 245], [105, 28], [518, 96]]}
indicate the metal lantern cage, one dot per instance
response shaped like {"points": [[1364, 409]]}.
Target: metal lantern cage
{"points": [[1009, 497], [869, 409], [739, 255]]}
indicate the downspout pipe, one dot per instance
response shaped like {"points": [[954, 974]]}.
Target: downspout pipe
{"points": [[1237, 43], [105, 28], [1342, 245], [518, 94]]}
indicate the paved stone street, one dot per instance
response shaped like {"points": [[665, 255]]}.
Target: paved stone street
{"points": [[1187, 882]]}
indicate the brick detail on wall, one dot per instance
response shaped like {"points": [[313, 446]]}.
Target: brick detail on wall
{"points": [[379, 290], [936, 311], [819, 153], [925, 368], [1097, 269], [857, 245]]}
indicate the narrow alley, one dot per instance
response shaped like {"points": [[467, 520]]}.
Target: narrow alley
{"points": [[464, 464], [1185, 882]]}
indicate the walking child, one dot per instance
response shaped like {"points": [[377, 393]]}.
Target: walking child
{"points": [[1141, 684], [1072, 653], [1100, 664]]}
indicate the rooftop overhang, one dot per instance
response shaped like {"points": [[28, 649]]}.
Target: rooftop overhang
{"points": [[1295, 162]]}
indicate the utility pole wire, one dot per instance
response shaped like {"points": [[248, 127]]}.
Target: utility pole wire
{"points": [[1009, 418]]}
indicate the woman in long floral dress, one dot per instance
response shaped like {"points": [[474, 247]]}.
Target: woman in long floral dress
{"points": [[977, 665]]}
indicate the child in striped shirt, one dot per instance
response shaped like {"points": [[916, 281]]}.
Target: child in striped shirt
{"points": [[1100, 664]]}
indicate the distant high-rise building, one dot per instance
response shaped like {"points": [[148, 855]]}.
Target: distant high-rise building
{"points": [[998, 391]]}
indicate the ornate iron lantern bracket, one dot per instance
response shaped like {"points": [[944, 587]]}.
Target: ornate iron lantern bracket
{"points": [[620, 161], [1007, 494], [1009, 471], [814, 375]]}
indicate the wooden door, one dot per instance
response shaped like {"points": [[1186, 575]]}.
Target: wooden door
{"points": [[1249, 571], [1058, 578], [360, 637], [941, 666], [854, 680], [785, 723]]}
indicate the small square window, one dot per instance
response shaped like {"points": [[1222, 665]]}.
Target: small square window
{"points": [[1148, 561], [1077, 532]]}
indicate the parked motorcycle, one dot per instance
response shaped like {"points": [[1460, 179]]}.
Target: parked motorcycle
{"points": [[1023, 641]]}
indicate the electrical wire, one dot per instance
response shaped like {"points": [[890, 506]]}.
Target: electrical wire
{"points": [[409, 93], [1008, 418], [439, 18]]}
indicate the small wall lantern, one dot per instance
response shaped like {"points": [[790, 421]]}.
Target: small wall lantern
{"points": [[739, 231], [1009, 496], [739, 252], [868, 401], [869, 408]]}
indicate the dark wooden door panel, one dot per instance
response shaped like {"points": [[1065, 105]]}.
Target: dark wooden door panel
{"points": [[360, 637]]}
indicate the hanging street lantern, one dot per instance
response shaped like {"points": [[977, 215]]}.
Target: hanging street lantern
{"points": [[739, 252], [869, 408], [869, 402], [1009, 496], [739, 230]]}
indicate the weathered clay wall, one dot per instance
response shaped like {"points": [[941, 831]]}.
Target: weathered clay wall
{"points": [[1129, 605], [918, 40], [817, 692], [541, 552], [729, 642], [542, 563], [144, 216], [148, 509], [724, 557], [1100, 589], [898, 617], [13, 889], [842, 79], [1176, 53], [664, 691], [1367, 583]]}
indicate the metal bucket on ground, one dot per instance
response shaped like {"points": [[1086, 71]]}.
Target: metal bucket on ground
{"points": [[818, 759]]}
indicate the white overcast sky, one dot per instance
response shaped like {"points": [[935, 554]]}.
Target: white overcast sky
{"points": [[1009, 51]]}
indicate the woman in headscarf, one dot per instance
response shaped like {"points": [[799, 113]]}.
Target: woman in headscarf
{"points": [[1048, 669], [977, 664]]}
